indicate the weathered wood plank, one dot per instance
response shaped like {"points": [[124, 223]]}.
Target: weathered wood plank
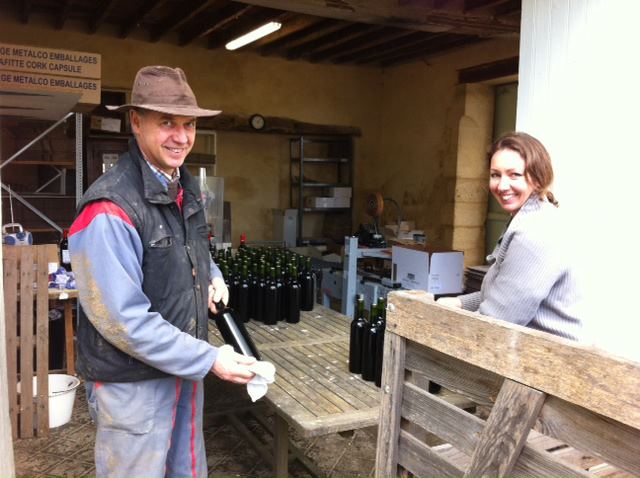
{"points": [[462, 430], [335, 423], [523, 355], [26, 341], [419, 459], [414, 15], [10, 275], [390, 406], [332, 384], [42, 339], [535, 463], [316, 383], [506, 431], [281, 446], [298, 389], [441, 418], [477, 384], [592, 433]]}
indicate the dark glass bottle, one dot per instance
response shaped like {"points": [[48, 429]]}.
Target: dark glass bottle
{"points": [[306, 287], [382, 325], [271, 299], [280, 292], [234, 284], [369, 349], [233, 331], [293, 297], [212, 248], [65, 258], [254, 279], [243, 295], [261, 291], [358, 325]]}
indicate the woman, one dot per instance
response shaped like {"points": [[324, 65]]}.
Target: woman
{"points": [[531, 281]]}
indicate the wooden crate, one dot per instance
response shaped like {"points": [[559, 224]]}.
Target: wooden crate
{"points": [[554, 407], [26, 300]]}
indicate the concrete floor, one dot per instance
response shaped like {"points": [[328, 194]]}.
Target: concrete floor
{"points": [[68, 451]]}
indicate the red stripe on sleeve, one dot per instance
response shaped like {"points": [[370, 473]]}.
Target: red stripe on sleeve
{"points": [[93, 210]]}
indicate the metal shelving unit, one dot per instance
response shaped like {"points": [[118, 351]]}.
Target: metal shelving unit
{"points": [[316, 163], [59, 166]]}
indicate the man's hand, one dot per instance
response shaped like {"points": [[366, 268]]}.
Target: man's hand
{"points": [[232, 366], [450, 302], [218, 291]]}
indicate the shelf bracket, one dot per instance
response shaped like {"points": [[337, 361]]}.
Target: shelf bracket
{"points": [[34, 209], [35, 140], [60, 174]]}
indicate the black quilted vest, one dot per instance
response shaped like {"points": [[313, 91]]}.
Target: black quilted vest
{"points": [[175, 262]]}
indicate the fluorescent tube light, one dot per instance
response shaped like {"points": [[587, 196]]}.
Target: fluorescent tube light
{"points": [[253, 35]]}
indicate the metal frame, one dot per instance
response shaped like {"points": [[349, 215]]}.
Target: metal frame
{"points": [[350, 271], [60, 175]]}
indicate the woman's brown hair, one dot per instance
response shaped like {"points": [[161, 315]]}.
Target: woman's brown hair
{"points": [[537, 162]]}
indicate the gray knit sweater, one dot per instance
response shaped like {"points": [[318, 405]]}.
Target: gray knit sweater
{"points": [[532, 279]]}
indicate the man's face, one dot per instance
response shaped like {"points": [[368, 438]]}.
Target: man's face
{"points": [[165, 139]]}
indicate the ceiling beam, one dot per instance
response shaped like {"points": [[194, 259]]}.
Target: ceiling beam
{"points": [[311, 31], [63, 15], [214, 22], [101, 14], [25, 11], [361, 43], [364, 56], [356, 32], [489, 71], [471, 5], [244, 25], [427, 41], [431, 51], [189, 11], [417, 15], [143, 11], [303, 48], [508, 8]]}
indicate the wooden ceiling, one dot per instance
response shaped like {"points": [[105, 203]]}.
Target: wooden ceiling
{"points": [[358, 32]]}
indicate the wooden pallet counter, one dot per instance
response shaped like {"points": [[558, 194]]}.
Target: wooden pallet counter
{"points": [[557, 408]]}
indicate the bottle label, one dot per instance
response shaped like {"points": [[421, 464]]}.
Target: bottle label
{"points": [[66, 258]]}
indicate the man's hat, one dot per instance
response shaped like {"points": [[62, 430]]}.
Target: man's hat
{"points": [[163, 89]]}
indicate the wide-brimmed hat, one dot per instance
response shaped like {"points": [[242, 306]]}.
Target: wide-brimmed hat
{"points": [[163, 89]]}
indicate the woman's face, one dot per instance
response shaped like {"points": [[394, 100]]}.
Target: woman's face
{"points": [[507, 180]]}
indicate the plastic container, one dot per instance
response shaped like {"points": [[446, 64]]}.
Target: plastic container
{"points": [[62, 394]]}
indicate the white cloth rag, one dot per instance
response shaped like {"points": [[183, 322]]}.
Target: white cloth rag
{"points": [[265, 374]]}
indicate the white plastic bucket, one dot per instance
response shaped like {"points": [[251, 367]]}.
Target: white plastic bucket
{"points": [[62, 394]]}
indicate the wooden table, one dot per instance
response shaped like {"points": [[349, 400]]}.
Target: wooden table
{"points": [[68, 297], [314, 392]]}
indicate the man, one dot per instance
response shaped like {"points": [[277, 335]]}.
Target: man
{"points": [[140, 253]]}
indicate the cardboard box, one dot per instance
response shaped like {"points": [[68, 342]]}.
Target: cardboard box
{"points": [[339, 192], [50, 61], [106, 124], [438, 271], [341, 202], [319, 202]]}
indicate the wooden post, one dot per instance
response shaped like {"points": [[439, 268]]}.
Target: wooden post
{"points": [[391, 401], [6, 442], [281, 446]]}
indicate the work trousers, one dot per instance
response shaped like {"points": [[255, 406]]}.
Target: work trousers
{"points": [[151, 428]]}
